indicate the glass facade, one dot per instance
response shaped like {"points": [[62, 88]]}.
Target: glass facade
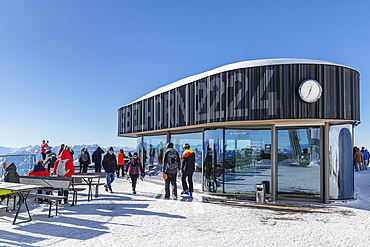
{"points": [[247, 160], [213, 168], [234, 160], [153, 151], [299, 162], [341, 162], [195, 141]]}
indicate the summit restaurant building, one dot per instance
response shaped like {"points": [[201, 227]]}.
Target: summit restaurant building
{"points": [[287, 123]]}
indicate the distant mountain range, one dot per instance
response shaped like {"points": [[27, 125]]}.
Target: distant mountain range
{"points": [[37, 149]]}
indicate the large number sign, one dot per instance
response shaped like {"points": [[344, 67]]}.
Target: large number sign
{"points": [[257, 93]]}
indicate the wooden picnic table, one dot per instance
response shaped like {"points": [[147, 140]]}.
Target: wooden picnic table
{"points": [[22, 191], [88, 178]]}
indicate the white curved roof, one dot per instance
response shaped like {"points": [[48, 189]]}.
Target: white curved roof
{"points": [[234, 66]]}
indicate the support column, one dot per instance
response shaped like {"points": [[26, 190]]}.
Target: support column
{"points": [[203, 156], [326, 163], [168, 137], [274, 159], [142, 148]]}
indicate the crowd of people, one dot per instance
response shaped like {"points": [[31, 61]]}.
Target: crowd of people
{"points": [[62, 165], [360, 158]]}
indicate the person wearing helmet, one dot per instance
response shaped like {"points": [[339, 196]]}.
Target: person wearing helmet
{"points": [[187, 169], [171, 166]]}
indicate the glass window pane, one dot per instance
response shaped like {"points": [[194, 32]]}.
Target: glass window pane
{"points": [[153, 150], [247, 160], [195, 141], [213, 161], [299, 162]]}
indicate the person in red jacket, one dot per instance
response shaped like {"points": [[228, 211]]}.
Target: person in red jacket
{"points": [[64, 167], [43, 150], [40, 170]]}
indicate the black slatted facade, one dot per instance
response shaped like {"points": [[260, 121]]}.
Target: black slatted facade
{"points": [[256, 93]]}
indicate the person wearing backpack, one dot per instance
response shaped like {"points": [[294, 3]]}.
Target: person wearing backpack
{"points": [[50, 161], [171, 166], [84, 160], [64, 167]]}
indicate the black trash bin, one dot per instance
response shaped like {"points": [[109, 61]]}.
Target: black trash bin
{"points": [[267, 186]]}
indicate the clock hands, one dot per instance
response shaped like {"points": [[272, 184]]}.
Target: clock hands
{"points": [[309, 91]]}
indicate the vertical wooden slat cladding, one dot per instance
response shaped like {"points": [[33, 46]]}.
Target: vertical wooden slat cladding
{"points": [[253, 93]]}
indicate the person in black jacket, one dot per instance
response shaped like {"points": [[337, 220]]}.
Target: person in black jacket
{"points": [[96, 157], [134, 169], [109, 165], [10, 172], [84, 160], [60, 149], [70, 150], [171, 166], [187, 169]]}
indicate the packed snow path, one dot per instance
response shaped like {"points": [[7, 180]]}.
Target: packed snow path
{"points": [[146, 219]]}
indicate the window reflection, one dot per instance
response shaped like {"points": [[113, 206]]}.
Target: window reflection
{"points": [[299, 162], [247, 160], [153, 149], [213, 161], [195, 141]]}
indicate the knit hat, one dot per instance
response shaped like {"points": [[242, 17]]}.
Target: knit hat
{"points": [[7, 162], [110, 149]]}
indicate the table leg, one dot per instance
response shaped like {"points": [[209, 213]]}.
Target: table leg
{"points": [[90, 188], [23, 200], [89, 181]]}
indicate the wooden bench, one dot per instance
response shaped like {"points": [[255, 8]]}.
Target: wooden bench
{"points": [[49, 183]]}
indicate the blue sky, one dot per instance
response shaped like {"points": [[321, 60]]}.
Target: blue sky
{"points": [[66, 67]]}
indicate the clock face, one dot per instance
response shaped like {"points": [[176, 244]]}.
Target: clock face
{"points": [[310, 90]]}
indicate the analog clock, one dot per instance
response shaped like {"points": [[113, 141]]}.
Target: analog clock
{"points": [[310, 90]]}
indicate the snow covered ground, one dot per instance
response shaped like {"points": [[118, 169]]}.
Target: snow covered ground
{"points": [[146, 219]]}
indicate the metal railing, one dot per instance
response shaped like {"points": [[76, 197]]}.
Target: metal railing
{"points": [[23, 162]]}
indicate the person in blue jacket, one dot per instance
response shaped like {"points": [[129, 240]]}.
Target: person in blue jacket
{"points": [[134, 169], [365, 155]]}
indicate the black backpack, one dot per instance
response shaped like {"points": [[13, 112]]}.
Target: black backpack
{"points": [[172, 161], [85, 157]]}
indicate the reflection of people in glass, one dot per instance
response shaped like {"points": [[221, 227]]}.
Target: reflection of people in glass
{"points": [[160, 157], [208, 167], [144, 158], [151, 156], [211, 170], [215, 171]]}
